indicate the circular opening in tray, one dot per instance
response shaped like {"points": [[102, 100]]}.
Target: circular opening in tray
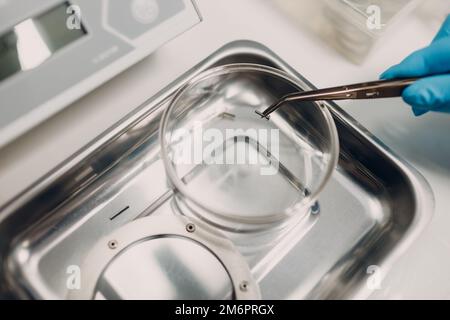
{"points": [[233, 168], [169, 268]]}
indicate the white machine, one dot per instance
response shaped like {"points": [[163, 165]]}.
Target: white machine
{"points": [[52, 51]]}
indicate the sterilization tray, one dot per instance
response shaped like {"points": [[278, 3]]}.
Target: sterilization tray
{"points": [[371, 210]]}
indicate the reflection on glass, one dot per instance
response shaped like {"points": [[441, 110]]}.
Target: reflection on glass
{"points": [[31, 42], [31, 48]]}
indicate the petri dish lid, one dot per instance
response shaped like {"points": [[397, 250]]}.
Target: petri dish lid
{"points": [[287, 160]]}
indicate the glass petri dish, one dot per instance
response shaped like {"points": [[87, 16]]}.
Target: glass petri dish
{"points": [[235, 170]]}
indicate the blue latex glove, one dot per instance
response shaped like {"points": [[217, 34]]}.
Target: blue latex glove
{"points": [[433, 92]]}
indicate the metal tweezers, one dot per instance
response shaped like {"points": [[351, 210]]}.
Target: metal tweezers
{"points": [[367, 90]]}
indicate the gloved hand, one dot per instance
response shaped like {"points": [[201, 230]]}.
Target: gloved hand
{"points": [[433, 92]]}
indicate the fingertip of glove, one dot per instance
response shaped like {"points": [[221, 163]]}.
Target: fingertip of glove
{"points": [[418, 111], [418, 98], [417, 95], [388, 74]]}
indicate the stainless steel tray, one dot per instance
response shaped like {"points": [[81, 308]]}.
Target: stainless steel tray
{"points": [[371, 211]]}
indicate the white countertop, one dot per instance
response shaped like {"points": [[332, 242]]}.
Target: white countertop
{"points": [[423, 271]]}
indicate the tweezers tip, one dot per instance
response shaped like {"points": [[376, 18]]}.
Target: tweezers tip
{"points": [[262, 115]]}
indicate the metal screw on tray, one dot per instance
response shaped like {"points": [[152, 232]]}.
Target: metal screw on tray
{"points": [[112, 244], [315, 208], [243, 285], [190, 227]]}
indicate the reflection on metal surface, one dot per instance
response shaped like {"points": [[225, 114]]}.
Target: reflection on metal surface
{"points": [[31, 42], [373, 208]]}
